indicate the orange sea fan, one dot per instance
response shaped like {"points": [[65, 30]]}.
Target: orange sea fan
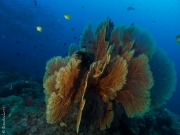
{"points": [[126, 48], [135, 95], [49, 84], [54, 64], [108, 118], [128, 56], [114, 78], [66, 76], [87, 39], [128, 34], [100, 65], [72, 49], [108, 68], [126, 51], [143, 40], [59, 103], [57, 107], [115, 39], [101, 44]]}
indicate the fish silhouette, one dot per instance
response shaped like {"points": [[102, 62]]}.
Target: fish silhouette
{"points": [[130, 8]]}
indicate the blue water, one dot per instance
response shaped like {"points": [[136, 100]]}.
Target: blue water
{"points": [[24, 49]]}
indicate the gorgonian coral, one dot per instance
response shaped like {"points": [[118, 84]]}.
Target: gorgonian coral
{"points": [[111, 66], [164, 74], [135, 95], [72, 49]]}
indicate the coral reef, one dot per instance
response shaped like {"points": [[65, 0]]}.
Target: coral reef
{"points": [[24, 114], [13, 83], [113, 66], [33, 121]]}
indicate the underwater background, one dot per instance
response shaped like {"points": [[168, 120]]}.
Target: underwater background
{"points": [[25, 50]]}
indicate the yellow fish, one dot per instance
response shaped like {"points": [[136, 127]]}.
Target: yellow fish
{"points": [[67, 16], [62, 124], [39, 28], [178, 39]]}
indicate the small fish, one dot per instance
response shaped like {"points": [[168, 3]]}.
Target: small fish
{"points": [[130, 8], [90, 42], [72, 29], [132, 24], [17, 54], [66, 54], [35, 46], [62, 124], [40, 51], [64, 43], [82, 6], [67, 16], [178, 39], [39, 28], [24, 55], [35, 3], [153, 21], [74, 37], [83, 46], [17, 42], [11, 86], [42, 45]]}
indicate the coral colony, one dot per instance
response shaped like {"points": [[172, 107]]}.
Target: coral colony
{"points": [[114, 68]]}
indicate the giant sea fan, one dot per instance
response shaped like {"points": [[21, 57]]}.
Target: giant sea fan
{"points": [[164, 74], [109, 70]]}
